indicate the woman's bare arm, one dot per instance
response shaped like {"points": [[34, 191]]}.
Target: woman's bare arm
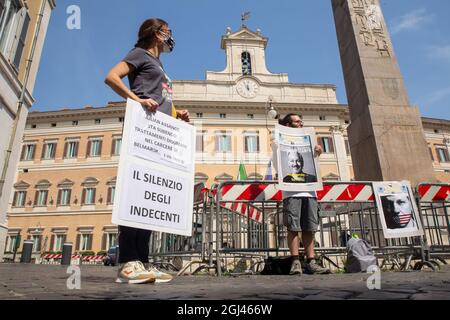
{"points": [[114, 80]]}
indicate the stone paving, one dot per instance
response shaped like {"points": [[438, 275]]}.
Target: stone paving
{"points": [[49, 282]]}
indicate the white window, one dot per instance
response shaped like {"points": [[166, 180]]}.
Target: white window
{"points": [[13, 242], [41, 198], [443, 154], [251, 141], [85, 242], [49, 150], [71, 149], [19, 199], [14, 22], [111, 194], [199, 114], [223, 116], [28, 152], [347, 147], [94, 147], [64, 197], [36, 243], [89, 196], [116, 145], [223, 142], [200, 143], [327, 144], [111, 240], [59, 242], [250, 116]]}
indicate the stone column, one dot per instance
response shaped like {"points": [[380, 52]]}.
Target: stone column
{"points": [[341, 153], [386, 136]]}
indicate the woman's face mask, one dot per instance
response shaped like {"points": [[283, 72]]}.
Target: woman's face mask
{"points": [[169, 42]]}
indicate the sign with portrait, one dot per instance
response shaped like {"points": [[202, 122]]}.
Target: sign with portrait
{"points": [[155, 181], [297, 165], [397, 209]]}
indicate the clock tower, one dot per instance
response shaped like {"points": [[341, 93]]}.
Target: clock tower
{"points": [[246, 63]]}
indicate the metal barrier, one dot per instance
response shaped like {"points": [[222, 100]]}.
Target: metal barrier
{"points": [[250, 224], [169, 250], [241, 221], [434, 205]]}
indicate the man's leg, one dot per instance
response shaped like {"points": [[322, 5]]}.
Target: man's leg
{"points": [[291, 216], [308, 242], [293, 243], [310, 223]]}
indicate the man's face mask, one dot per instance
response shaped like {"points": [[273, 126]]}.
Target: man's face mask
{"points": [[169, 42]]}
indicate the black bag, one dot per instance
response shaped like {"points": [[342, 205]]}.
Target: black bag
{"points": [[277, 266]]}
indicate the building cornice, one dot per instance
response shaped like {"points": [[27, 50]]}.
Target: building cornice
{"points": [[68, 114], [255, 76], [118, 109]]}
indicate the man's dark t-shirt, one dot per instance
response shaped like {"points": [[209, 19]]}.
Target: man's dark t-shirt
{"points": [[148, 79]]}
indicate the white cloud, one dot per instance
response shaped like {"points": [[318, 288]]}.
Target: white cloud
{"points": [[411, 21]]}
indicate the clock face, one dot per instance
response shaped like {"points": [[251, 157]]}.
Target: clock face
{"points": [[247, 88]]}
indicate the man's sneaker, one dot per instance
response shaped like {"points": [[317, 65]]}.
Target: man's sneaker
{"points": [[134, 272], [159, 275], [313, 268], [296, 267]]}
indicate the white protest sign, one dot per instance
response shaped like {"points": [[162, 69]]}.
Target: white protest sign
{"points": [[297, 166], [155, 181]]}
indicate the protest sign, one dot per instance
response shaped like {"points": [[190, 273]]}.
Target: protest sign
{"points": [[155, 181], [397, 209], [298, 168]]}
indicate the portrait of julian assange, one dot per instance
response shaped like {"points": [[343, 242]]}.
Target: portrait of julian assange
{"points": [[398, 211], [298, 165]]}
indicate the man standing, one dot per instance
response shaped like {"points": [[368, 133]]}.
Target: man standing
{"points": [[300, 214]]}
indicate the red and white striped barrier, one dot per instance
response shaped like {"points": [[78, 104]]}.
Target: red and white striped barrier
{"points": [[434, 193], [346, 192], [75, 256], [248, 192]]}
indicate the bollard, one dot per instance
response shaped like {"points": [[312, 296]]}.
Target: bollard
{"points": [[66, 254], [27, 250]]}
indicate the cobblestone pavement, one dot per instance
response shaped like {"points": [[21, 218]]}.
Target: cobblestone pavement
{"points": [[19, 281]]}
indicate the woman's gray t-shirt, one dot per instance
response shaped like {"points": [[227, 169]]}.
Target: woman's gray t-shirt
{"points": [[149, 80]]}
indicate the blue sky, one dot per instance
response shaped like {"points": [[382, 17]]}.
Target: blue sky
{"points": [[302, 42]]}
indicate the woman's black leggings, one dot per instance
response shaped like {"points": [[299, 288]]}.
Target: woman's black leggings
{"points": [[133, 244]]}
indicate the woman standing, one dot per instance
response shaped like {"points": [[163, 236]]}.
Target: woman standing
{"points": [[151, 87]]}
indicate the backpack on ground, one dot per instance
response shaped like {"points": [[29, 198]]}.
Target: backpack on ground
{"points": [[277, 266], [359, 256]]}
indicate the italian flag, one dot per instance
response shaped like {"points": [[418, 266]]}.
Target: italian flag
{"points": [[242, 174]]}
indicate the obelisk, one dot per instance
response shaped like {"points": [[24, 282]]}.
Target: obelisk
{"points": [[386, 135]]}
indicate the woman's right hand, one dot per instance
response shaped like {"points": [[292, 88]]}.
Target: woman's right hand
{"points": [[150, 104]]}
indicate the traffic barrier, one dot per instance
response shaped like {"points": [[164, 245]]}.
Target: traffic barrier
{"points": [[346, 209], [434, 204]]}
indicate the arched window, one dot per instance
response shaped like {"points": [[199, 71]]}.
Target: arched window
{"points": [[246, 63]]}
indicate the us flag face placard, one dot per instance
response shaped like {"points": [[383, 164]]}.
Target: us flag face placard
{"points": [[397, 209]]}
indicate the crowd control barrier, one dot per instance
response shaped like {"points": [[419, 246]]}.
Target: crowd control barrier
{"points": [[249, 225], [238, 224], [434, 205]]}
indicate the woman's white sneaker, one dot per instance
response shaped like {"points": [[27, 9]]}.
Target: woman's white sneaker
{"points": [[134, 272]]}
